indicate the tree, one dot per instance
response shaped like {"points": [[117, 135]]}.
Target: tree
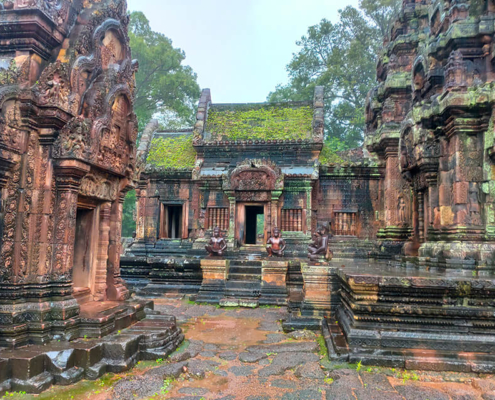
{"points": [[165, 89], [341, 57], [128, 218]]}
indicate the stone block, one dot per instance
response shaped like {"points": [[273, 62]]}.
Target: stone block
{"points": [[274, 282]]}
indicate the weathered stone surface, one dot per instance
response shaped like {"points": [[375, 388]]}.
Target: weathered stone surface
{"points": [[244, 370], [415, 392], [284, 361], [306, 394], [310, 370], [285, 347], [249, 357]]}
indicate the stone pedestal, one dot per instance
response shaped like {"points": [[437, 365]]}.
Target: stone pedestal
{"points": [[274, 282], [320, 296], [317, 288], [215, 273]]}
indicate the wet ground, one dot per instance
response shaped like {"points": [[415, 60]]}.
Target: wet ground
{"points": [[235, 354]]}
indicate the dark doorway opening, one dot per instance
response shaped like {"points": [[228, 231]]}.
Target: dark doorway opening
{"points": [[255, 224], [171, 222], [82, 248]]}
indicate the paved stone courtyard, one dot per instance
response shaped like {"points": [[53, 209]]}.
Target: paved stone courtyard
{"points": [[243, 354]]}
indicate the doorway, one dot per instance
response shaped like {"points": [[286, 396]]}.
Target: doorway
{"points": [[171, 226], [83, 249], [255, 225]]}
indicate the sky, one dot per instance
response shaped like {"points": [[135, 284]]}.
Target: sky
{"points": [[238, 48]]}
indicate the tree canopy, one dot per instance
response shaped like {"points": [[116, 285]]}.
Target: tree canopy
{"points": [[165, 88], [341, 57]]}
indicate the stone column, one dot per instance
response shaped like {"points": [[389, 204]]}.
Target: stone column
{"points": [[274, 210], [421, 216], [309, 203], [69, 174], [141, 193], [100, 288], [232, 220], [116, 287]]}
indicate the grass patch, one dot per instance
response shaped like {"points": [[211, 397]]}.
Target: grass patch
{"points": [[323, 346]]}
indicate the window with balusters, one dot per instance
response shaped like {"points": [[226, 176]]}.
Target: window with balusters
{"points": [[217, 216], [292, 220], [345, 224]]}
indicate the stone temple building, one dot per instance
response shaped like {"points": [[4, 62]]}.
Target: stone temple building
{"points": [[67, 157], [411, 213]]}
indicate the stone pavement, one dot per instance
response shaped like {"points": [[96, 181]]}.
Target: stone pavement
{"points": [[234, 354]]}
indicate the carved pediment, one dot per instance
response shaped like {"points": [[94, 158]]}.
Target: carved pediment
{"points": [[254, 175]]}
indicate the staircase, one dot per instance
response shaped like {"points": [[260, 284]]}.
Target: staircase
{"points": [[243, 285]]}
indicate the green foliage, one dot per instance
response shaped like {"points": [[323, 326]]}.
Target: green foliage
{"points": [[263, 122], [172, 152], [165, 89], [341, 57], [329, 154], [128, 222]]}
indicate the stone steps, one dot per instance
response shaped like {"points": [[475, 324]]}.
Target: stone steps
{"points": [[35, 368]]}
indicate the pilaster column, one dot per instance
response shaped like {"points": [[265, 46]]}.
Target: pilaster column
{"points": [[395, 189], [116, 288], [69, 174], [274, 210], [232, 218], [421, 217], [141, 193], [100, 288]]}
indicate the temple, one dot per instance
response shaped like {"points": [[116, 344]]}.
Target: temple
{"points": [[387, 249], [67, 158], [408, 218]]}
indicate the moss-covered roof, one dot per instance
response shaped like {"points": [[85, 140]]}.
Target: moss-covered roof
{"points": [[172, 150], [261, 121]]}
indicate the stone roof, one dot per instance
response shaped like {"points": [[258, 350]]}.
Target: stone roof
{"points": [[262, 121], [172, 150]]}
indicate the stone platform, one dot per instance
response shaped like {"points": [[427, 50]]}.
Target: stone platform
{"points": [[414, 318], [35, 368]]}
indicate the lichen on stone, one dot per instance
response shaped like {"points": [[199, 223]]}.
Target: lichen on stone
{"points": [[276, 121]]}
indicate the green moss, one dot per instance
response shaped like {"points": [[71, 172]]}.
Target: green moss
{"points": [[262, 122], [329, 156], [172, 152]]}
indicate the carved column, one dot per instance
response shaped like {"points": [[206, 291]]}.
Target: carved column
{"points": [[232, 219], [394, 188], [274, 210], [116, 288], [69, 174], [309, 202], [100, 288], [141, 193], [421, 217]]}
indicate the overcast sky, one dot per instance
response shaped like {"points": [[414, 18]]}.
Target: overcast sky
{"points": [[238, 48]]}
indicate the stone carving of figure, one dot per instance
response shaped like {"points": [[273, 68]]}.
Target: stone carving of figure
{"points": [[401, 208], [217, 244], [278, 244], [320, 248]]}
